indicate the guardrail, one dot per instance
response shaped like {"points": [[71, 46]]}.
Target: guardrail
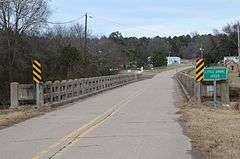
{"points": [[62, 92]]}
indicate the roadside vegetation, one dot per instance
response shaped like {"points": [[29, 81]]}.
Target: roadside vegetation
{"points": [[213, 131], [10, 117], [234, 79]]}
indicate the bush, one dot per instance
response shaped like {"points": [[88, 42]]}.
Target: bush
{"points": [[159, 59]]}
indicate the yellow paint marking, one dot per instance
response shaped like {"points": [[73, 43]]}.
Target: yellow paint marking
{"points": [[124, 102], [93, 123], [63, 139], [37, 63], [36, 80], [39, 71], [200, 67], [200, 73], [200, 79], [199, 61], [80, 137], [38, 76]]}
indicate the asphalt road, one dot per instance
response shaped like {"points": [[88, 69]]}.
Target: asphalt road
{"points": [[137, 121]]}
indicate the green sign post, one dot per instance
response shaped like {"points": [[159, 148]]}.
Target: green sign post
{"points": [[215, 74]]}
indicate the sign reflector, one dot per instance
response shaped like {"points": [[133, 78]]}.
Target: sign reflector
{"points": [[37, 71], [200, 64]]}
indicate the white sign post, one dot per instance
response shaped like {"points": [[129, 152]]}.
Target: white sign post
{"points": [[38, 95]]}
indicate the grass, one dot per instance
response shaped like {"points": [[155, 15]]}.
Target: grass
{"points": [[215, 132], [234, 79], [14, 116]]}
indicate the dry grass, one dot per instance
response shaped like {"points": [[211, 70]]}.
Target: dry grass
{"points": [[14, 116], [234, 79], [215, 132]]}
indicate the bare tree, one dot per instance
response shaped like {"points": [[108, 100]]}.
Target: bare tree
{"points": [[19, 18]]}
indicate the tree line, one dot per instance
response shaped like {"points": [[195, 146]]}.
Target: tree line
{"points": [[25, 34]]}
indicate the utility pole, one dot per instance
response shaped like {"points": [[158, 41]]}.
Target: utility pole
{"points": [[201, 49], [238, 40], [85, 35]]}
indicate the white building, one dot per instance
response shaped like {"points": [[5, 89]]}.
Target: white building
{"points": [[173, 60], [232, 58]]}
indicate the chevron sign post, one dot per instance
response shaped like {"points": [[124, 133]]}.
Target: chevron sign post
{"points": [[37, 79], [200, 64]]}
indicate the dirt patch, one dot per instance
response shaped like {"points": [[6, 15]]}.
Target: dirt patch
{"points": [[14, 116], [215, 132]]}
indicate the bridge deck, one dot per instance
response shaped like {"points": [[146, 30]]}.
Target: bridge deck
{"points": [[135, 121]]}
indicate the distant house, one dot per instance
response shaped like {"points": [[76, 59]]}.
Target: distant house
{"points": [[173, 60], [232, 66], [231, 58]]}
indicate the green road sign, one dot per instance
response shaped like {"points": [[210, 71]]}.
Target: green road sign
{"points": [[215, 74]]}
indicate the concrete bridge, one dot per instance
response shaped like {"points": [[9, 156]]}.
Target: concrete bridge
{"points": [[138, 120]]}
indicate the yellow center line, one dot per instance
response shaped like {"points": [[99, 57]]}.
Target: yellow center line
{"points": [[124, 103], [79, 138], [63, 139], [77, 133]]}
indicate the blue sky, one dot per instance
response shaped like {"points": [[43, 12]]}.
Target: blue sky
{"points": [[149, 17]]}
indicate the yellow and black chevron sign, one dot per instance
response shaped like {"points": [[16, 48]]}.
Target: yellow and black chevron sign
{"points": [[200, 64], [37, 71]]}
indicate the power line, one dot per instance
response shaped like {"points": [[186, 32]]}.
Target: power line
{"points": [[67, 22], [127, 26], [104, 19]]}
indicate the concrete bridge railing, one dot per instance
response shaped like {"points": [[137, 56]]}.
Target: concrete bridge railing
{"points": [[188, 82], [62, 92]]}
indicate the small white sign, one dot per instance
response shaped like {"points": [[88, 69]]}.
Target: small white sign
{"points": [[210, 88], [232, 58]]}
